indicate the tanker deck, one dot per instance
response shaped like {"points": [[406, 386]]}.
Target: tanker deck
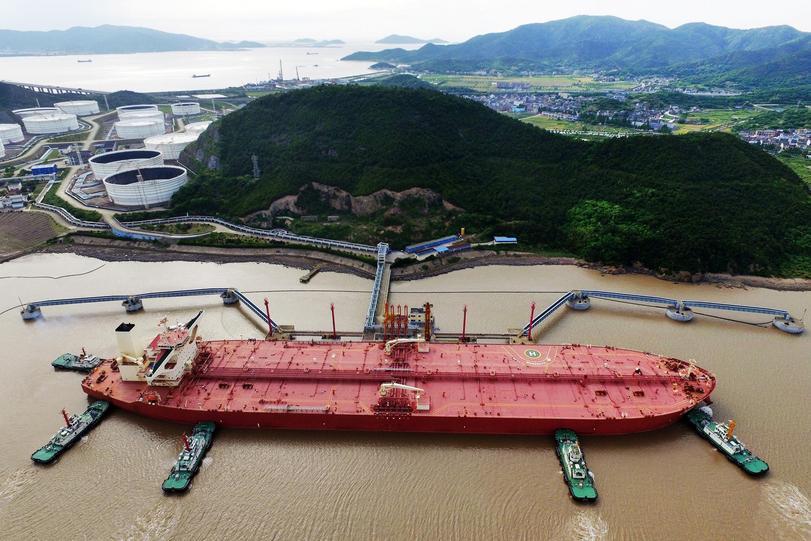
{"points": [[402, 385]]}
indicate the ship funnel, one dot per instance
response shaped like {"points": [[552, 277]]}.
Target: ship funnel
{"points": [[731, 429], [123, 335]]}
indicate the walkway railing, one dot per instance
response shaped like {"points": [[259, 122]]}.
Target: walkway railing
{"points": [[382, 252]]}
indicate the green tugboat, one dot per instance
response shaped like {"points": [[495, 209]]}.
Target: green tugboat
{"points": [[190, 458], [79, 363], [720, 436], [75, 427], [576, 473]]}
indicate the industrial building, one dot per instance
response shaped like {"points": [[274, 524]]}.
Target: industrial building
{"points": [[145, 186], [48, 123], [171, 144], [110, 163], [133, 128], [129, 110], [11, 133], [186, 108], [79, 107]]}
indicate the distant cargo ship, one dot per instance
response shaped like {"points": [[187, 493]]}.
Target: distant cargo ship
{"points": [[199, 76], [84, 61], [405, 385]]}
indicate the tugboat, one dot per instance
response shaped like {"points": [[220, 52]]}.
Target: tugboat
{"points": [[78, 363], [576, 473], [190, 458], [720, 436], [75, 427]]}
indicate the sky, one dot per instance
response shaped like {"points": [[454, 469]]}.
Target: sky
{"points": [[368, 20]]}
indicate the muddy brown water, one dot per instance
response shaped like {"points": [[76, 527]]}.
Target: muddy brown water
{"points": [[307, 485]]}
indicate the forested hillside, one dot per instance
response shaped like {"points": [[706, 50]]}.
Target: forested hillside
{"points": [[702, 202]]}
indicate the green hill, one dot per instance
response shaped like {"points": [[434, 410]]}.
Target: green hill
{"points": [[589, 42], [702, 202]]}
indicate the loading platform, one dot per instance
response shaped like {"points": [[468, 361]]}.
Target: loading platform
{"points": [[134, 302], [675, 309]]}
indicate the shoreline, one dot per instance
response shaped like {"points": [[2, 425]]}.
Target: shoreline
{"points": [[123, 250]]}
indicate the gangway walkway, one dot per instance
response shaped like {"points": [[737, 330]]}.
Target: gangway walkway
{"points": [[381, 282], [675, 309], [134, 302]]}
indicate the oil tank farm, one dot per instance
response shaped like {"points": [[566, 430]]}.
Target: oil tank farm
{"points": [[110, 163], [48, 123], [197, 127], [32, 111], [145, 186], [171, 144], [126, 111], [137, 128], [79, 107], [11, 133], [186, 108]]}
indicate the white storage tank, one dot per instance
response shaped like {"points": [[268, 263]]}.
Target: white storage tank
{"points": [[198, 127], [139, 129], [186, 108], [11, 133], [145, 186], [110, 163], [50, 123], [79, 107], [128, 110], [22, 113], [171, 144]]}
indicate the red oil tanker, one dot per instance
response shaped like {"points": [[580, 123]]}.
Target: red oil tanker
{"points": [[404, 384]]}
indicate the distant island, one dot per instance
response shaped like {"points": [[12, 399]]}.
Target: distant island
{"points": [[108, 39], [398, 39], [308, 42]]}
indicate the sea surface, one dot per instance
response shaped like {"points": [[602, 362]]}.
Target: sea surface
{"points": [[669, 484], [172, 71]]}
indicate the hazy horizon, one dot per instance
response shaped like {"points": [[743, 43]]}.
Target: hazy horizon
{"points": [[367, 20]]}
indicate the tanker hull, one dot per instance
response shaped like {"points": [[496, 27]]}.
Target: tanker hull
{"points": [[439, 388]]}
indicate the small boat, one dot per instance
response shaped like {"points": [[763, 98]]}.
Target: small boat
{"points": [[83, 362], [84, 61], [190, 457], [75, 427], [720, 435], [576, 473], [201, 75], [310, 54]]}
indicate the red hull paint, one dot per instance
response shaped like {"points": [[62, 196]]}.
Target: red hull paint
{"points": [[472, 389]]}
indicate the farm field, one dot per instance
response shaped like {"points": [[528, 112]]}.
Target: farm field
{"points": [[24, 230], [798, 163], [716, 120], [557, 125], [538, 83]]}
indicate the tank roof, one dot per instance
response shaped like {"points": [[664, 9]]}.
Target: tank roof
{"points": [[160, 172], [170, 138], [122, 155], [138, 107]]}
